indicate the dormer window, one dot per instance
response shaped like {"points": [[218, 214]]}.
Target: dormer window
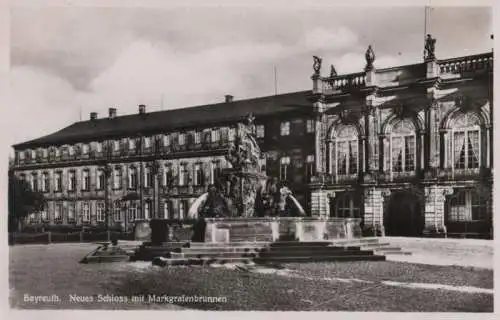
{"points": [[147, 142], [85, 149]]}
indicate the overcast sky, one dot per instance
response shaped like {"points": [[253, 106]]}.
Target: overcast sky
{"points": [[64, 59]]}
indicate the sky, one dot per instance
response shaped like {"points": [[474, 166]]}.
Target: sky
{"points": [[66, 62]]}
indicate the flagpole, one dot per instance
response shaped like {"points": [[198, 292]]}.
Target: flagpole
{"points": [[275, 82]]}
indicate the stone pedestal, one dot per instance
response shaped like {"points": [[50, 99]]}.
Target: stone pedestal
{"points": [[220, 230], [435, 201], [374, 212]]}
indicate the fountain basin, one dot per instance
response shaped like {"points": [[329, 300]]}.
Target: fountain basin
{"points": [[224, 230]]}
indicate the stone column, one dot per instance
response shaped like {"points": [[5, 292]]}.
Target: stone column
{"points": [[435, 202]]}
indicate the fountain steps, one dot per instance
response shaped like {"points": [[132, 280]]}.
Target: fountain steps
{"points": [[163, 262], [235, 252], [267, 254]]}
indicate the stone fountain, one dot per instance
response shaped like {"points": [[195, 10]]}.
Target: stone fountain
{"points": [[244, 204]]}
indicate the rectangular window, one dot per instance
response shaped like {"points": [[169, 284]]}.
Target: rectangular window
{"points": [[167, 210], [58, 208], [34, 182], [100, 212], [215, 171], [58, 181], [132, 212], [45, 182], [197, 137], [132, 178], [44, 213], [183, 209], [147, 210], [71, 180], [183, 174], [231, 134], [310, 167], [71, 212], [310, 126], [285, 128], [147, 142], [117, 178], [98, 147], [182, 139], [284, 164], [167, 175], [260, 131], [166, 140], [85, 149], [148, 178], [117, 213], [198, 175], [131, 144], [86, 180], [86, 212], [116, 145], [101, 180], [215, 135]]}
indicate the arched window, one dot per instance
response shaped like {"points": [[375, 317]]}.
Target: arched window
{"points": [[403, 147], [346, 206], [465, 140], [467, 205], [344, 153]]}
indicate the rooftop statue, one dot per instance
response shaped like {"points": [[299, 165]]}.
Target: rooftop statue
{"points": [[317, 65], [333, 72], [370, 58], [430, 47]]}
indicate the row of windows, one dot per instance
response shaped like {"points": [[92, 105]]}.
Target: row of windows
{"points": [[166, 178], [196, 175], [213, 135], [402, 151], [118, 211]]}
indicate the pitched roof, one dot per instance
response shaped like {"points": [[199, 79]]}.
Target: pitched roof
{"points": [[174, 119]]}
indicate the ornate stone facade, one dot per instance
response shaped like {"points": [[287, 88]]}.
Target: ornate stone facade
{"points": [[412, 142]]}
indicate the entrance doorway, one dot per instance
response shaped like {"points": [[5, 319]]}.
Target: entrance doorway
{"points": [[403, 216]]}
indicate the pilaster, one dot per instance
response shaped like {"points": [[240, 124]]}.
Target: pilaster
{"points": [[319, 138]]}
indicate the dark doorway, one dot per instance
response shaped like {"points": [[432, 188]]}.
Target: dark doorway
{"points": [[403, 216]]}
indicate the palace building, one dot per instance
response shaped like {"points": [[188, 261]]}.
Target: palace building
{"points": [[408, 149]]}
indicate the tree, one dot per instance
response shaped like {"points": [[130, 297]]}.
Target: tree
{"points": [[22, 201]]}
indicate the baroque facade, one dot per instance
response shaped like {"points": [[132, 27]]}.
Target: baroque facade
{"points": [[407, 149]]}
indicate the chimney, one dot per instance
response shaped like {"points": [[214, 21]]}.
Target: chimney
{"points": [[142, 109], [93, 115], [112, 113], [229, 98]]}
